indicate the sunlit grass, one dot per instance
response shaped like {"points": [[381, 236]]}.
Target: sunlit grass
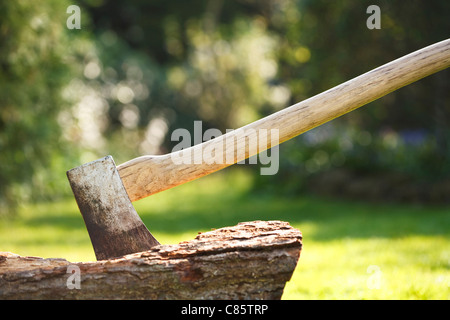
{"points": [[373, 269], [50, 230], [350, 250]]}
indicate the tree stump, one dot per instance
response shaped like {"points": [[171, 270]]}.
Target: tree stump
{"points": [[252, 260]]}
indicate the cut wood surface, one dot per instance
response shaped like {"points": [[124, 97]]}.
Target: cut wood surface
{"points": [[252, 260]]}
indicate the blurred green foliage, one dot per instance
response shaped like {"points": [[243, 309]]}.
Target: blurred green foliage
{"points": [[139, 69], [34, 52]]}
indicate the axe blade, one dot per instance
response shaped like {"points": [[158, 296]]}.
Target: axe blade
{"points": [[113, 224]]}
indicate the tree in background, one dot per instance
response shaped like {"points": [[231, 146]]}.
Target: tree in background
{"points": [[401, 137], [143, 68], [231, 62], [32, 54]]}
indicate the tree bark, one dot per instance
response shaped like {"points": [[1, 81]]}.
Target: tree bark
{"points": [[252, 260]]}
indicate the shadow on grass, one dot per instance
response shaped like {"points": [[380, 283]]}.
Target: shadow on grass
{"points": [[202, 206], [332, 218]]}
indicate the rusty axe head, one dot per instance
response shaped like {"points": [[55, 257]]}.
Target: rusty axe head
{"points": [[113, 224]]}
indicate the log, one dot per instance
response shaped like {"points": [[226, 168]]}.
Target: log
{"points": [[252, 260]]}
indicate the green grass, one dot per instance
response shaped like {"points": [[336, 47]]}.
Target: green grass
{"points": [[350, 250]]}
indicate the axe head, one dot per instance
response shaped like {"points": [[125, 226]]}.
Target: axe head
{"points": [[113, 224]]}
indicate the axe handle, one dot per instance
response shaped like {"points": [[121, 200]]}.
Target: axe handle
{"points": [[148, 175]]}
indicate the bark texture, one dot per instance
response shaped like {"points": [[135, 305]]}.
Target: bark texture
{"points": [[252, 260]]}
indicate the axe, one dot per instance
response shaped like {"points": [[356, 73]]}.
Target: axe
{"points": [[104, 192]]}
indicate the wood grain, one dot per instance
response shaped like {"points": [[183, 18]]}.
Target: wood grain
{"points": [[148, 175]]}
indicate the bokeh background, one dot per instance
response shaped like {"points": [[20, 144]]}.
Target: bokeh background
{"points": [[139, 69]]}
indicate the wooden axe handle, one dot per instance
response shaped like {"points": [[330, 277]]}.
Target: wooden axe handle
{"points": [[148, 175]]}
